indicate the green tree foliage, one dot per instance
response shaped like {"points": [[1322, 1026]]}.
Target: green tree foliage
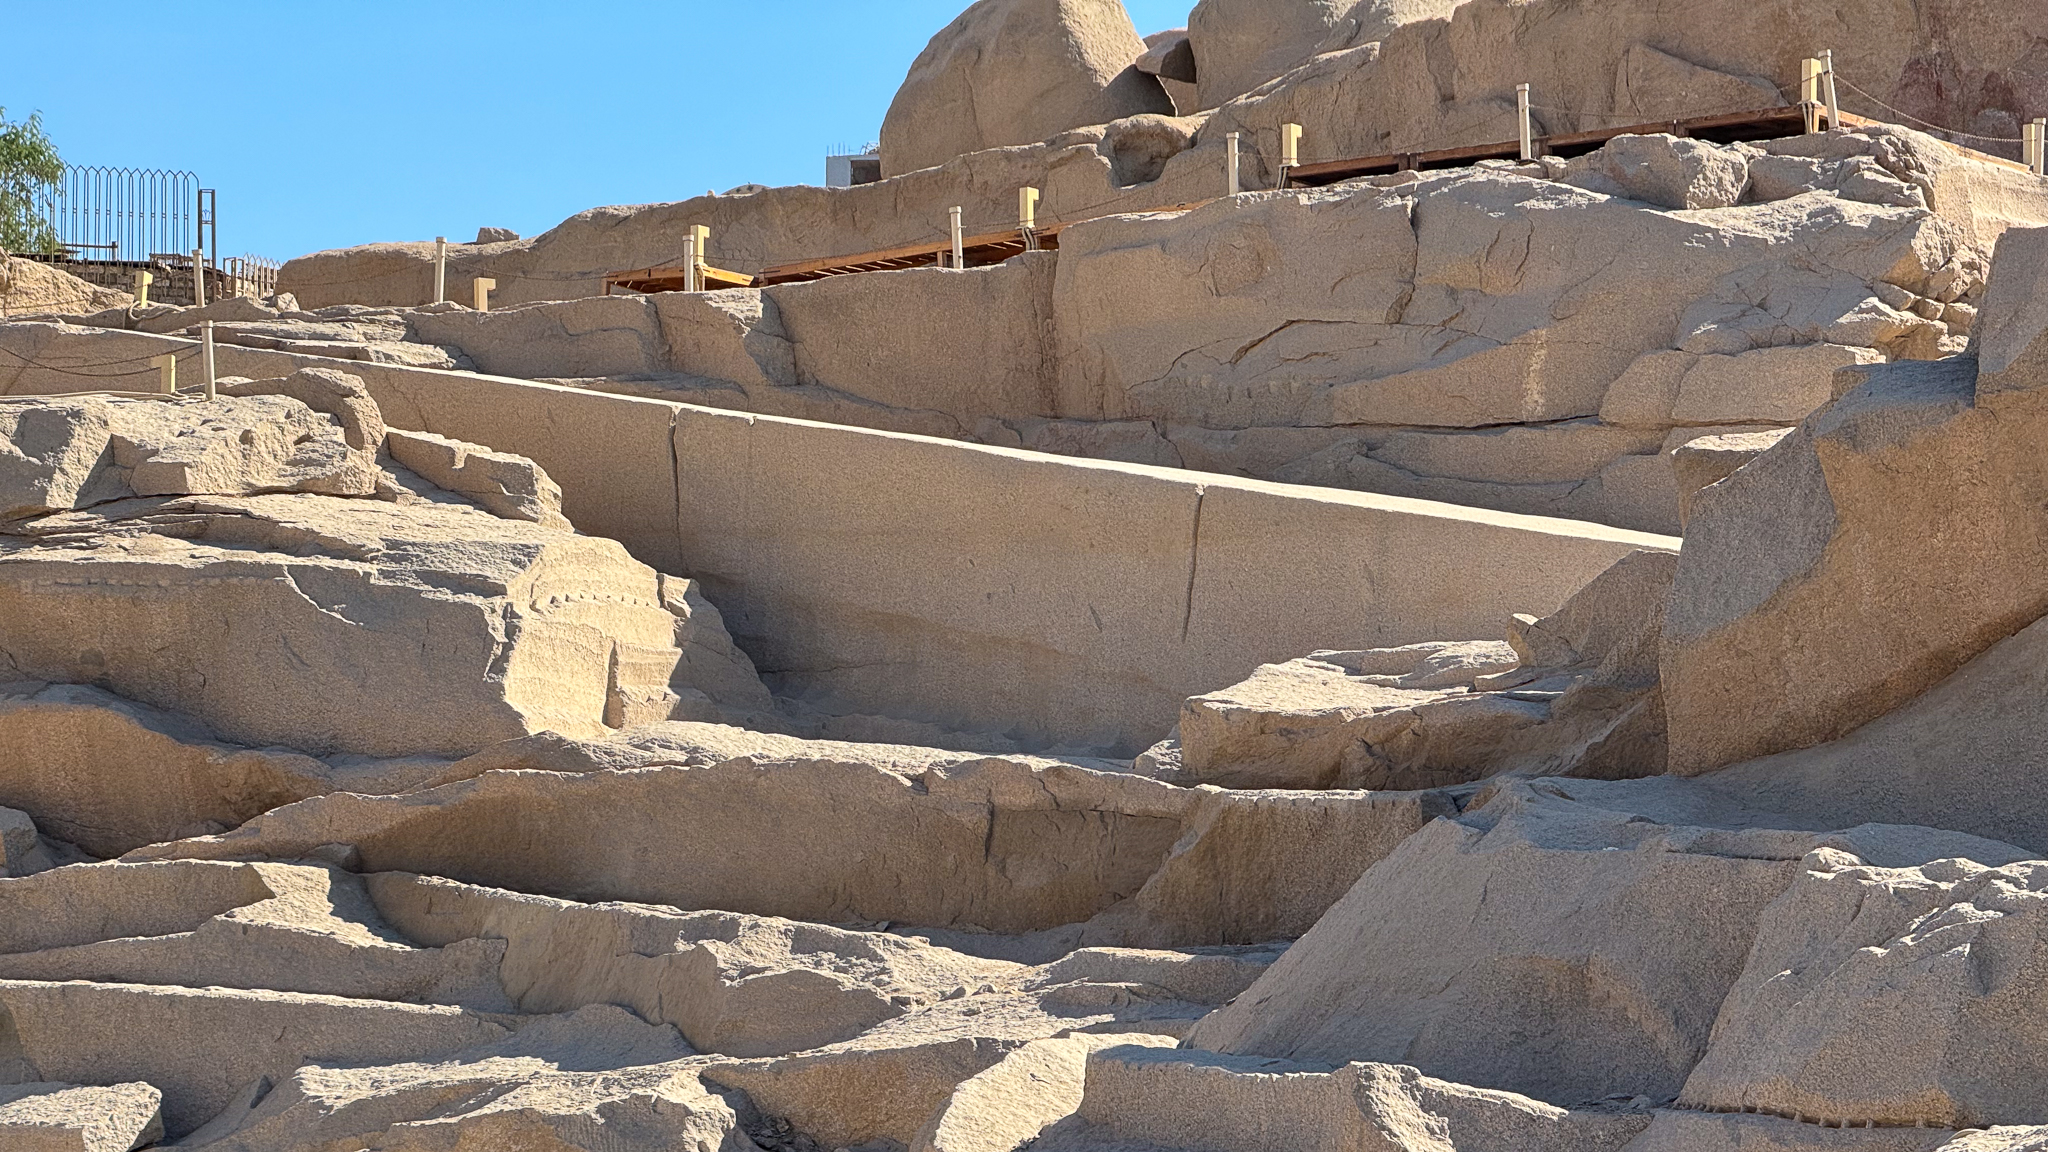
{"points": [[28, 162]]}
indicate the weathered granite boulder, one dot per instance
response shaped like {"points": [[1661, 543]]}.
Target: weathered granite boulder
{"points": [[386, 630], [1898, 997], [338, 394], [1320, 722], [1850, 567], [2011, 336], [200, 1046], [731, 984], [1664, 170], [1239, 45], [1170, 56], [1702, 463], [1572, 694], [900, 834], [507, 486], [78, 758], [18, 838], [1970, 754], [1154, 1097], [70, 1118], [1565, 949], [1017, 72], [596, 1080], [66, 453], [31, 287], [1022, 1096], [281, 927]]}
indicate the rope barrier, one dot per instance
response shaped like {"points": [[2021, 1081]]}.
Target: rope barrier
{"points": [[79, 369], [1926, 123]]}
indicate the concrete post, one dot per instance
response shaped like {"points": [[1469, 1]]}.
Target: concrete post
{"points": [[1828, 74], [206, 352], [143, 279], [480, 292], [1290, 146], [1809, 93], [166, 373], [440, 268], [1232, 144], [701, 236], [690, 265], [1027, 217], [959, 240], [199, 277], [1522, 115]]}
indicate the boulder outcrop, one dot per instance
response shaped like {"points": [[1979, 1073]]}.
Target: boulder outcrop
{"points": [[534, 628], [894, 834], [1239, 46], [1791, 563], [1605, 925], [70, 1118], [1180, 1099], [1894, 997], [1017, 72], [165, 523], [1573, 694], [1515, 896], [68, 453], [31, 287]]}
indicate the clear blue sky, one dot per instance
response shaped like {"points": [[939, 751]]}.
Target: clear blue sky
{"points": [[324, 125]]}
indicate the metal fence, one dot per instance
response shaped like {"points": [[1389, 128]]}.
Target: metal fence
{"points": [[114, 221], [252, 275], [126, 213]]}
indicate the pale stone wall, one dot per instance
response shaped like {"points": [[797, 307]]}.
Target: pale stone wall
{"points": [[1069, 601]]}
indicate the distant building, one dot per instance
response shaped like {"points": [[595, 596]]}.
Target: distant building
{"points": [[846, 167]]}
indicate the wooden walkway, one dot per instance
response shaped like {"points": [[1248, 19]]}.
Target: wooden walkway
{"points": [[1732, 128], [996, 247], [986, 248], [674, 278]]}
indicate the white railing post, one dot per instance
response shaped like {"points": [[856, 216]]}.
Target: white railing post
{"points": [[480, 292], [1290, 150], [143, 279], [166, 373], [1809, 93], [700, 235], [1828, 74], [1528, 129], [1232, 144], [959, 240], [440, 268], [1027, 217], [690, 264], [206, 352], [199, 277]]}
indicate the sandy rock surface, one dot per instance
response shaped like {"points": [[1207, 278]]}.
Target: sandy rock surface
{"points": [[378, 772]]}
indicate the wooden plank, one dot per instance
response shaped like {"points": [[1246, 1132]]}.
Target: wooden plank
{"points": [[984, 248], [675, 279]]}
